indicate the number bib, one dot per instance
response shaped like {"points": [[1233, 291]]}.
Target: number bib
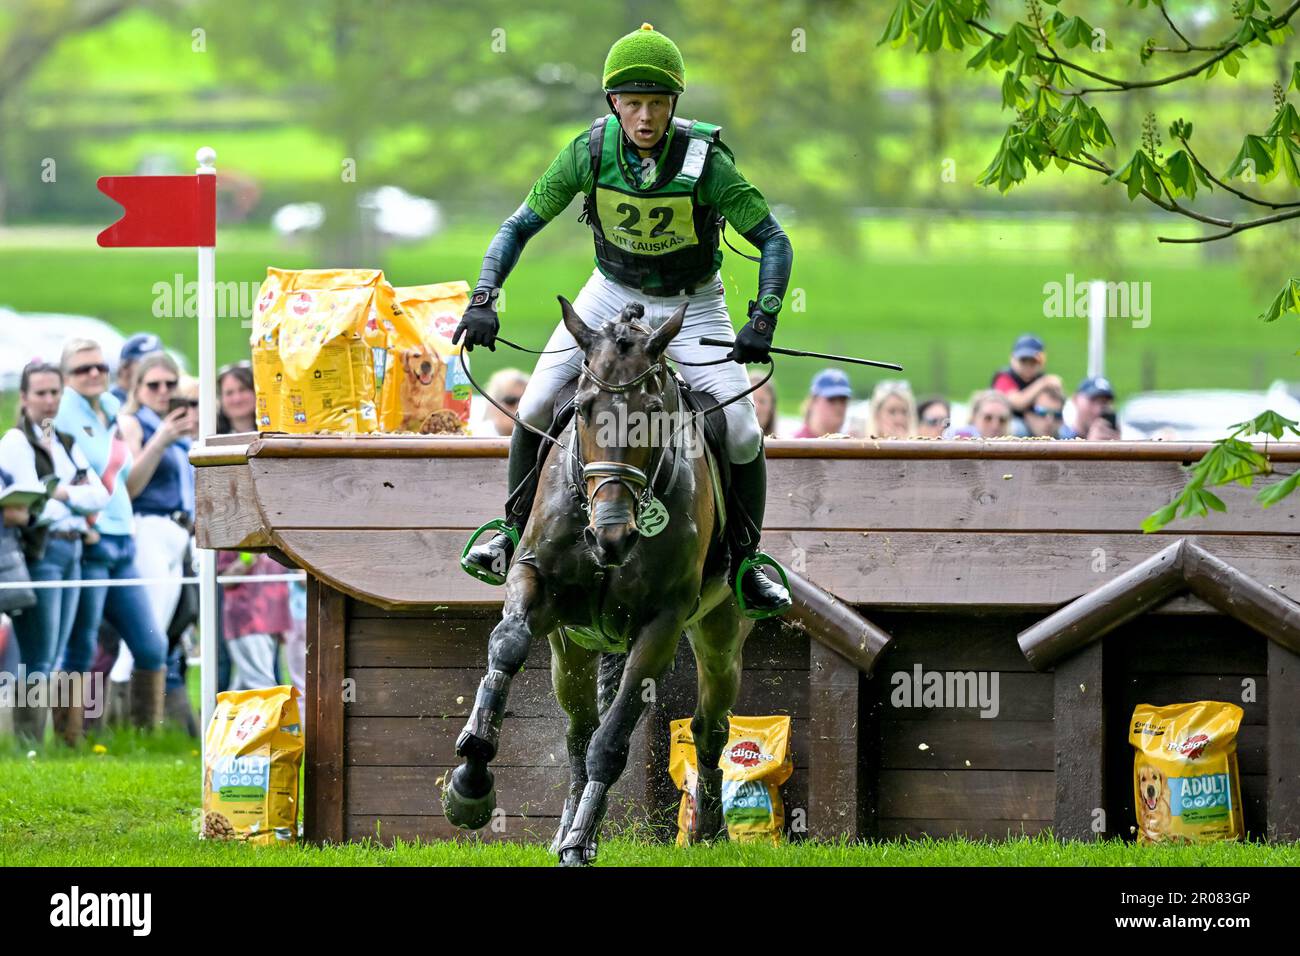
{"points": [[652, 517], [646, 225]]}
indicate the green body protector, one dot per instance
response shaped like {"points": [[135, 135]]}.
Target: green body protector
{"points": [[660, 239]]}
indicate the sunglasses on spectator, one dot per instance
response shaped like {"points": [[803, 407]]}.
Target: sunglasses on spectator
{"points": [[940, 420], [99, 367], [511, 400], [1048, 412], [168, 383]]}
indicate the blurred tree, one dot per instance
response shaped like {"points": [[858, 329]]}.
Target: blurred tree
{"points": [[1050, 81], [30, 30]]}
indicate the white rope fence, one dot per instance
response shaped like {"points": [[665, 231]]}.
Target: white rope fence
{"points": [[128, 582]]}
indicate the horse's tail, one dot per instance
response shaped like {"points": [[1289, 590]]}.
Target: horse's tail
{"points": [[609, 675]]}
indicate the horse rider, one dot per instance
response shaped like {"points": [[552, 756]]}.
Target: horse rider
{"points": [[656, 191]]}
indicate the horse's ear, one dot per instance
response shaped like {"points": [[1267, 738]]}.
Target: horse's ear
{"points": [[573, 322], [661, 336]]}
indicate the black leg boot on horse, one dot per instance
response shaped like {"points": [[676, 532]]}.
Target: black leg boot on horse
{"points": [[758, 594]]}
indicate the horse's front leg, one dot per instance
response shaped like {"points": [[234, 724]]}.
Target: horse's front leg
{"points": [[469, 797], [574, 672], [651, 653], [716, 642]]}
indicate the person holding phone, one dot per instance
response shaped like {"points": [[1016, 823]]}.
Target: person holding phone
{"points": [[90, 414], [1094, 411], [158, 424]]}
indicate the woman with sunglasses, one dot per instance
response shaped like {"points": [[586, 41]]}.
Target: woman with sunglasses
{"points": [[158, 424], [33, 451], [90, 414]]}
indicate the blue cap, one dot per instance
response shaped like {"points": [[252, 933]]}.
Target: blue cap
{"points": [[1026, 346], [138, 346], [831, 383], [1096, 386]]}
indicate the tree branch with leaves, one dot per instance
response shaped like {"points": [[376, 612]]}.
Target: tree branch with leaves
{"points": [[1048, 82]]}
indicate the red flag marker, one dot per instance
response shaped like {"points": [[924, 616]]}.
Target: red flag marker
{"points": [[162, 210]]}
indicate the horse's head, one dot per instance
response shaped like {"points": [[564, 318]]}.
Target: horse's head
{"points": [[619, 423]]}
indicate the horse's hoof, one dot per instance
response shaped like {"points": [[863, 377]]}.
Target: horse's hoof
{"points": [[468, 813], [574, 856]]}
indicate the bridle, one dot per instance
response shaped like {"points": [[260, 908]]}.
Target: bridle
{"points": [[637, 481]]}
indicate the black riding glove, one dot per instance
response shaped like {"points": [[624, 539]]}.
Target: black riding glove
{"points": [[755, 339], [479, 324]]}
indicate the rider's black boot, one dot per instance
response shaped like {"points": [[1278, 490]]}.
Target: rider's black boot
{"points": [[760, 595], [490, 561]]}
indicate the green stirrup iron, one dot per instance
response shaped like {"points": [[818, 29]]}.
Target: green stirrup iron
{"points": [[757, 559], [496, 524]]}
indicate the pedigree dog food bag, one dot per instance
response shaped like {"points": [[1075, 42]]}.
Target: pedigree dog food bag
{"points": [[268, 375], [424, 388], [1186, 787], [253, 749], [754, 763]]}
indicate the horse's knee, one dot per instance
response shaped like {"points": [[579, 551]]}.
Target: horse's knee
{"points": [[508, 645], [606, 757]]}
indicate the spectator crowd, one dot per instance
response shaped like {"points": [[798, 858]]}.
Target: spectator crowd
{"points": [[109, 539], [1023, 400]]}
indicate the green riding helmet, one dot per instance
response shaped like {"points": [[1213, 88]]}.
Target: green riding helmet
{"points": [[644, 61]]}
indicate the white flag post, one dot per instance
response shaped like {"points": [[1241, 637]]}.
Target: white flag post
{"points": [[207, 158], [1096, 328]]}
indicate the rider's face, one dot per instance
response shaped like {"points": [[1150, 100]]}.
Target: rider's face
{"points": [[644, 116]]}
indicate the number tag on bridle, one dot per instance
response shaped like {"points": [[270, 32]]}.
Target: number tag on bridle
{"points": [[652, 517]]}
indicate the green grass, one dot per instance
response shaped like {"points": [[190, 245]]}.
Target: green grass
{"points": [[947, 308], [135, 804]]}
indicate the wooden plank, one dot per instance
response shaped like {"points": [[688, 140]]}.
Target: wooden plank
{"points": [[1283, 822], [966, 794], [833, 784], [949, 641], [1080, 746], [449, 692], [893, 829], [1020, 696], [844, 494], [967, 744], [279, 445], [902, 569], [431, 741], [225, 509], [1164, 689], [404, 791], [439, 639], [386, 828], [521, 791], [326, 791], [1216, 646]]}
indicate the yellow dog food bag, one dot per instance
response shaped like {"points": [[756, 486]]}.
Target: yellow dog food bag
{"points": [[268, 374], [1186, 786], [754, 763], [424, 389], [253, 749]]}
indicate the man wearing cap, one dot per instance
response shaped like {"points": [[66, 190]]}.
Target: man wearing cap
{"points": [[656, 189], [827, 404], [133, 349], [1023, 379], [1094, 407]]}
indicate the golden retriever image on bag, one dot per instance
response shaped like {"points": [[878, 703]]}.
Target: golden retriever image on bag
{"points": [[1186, 787], [424, 382]]}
